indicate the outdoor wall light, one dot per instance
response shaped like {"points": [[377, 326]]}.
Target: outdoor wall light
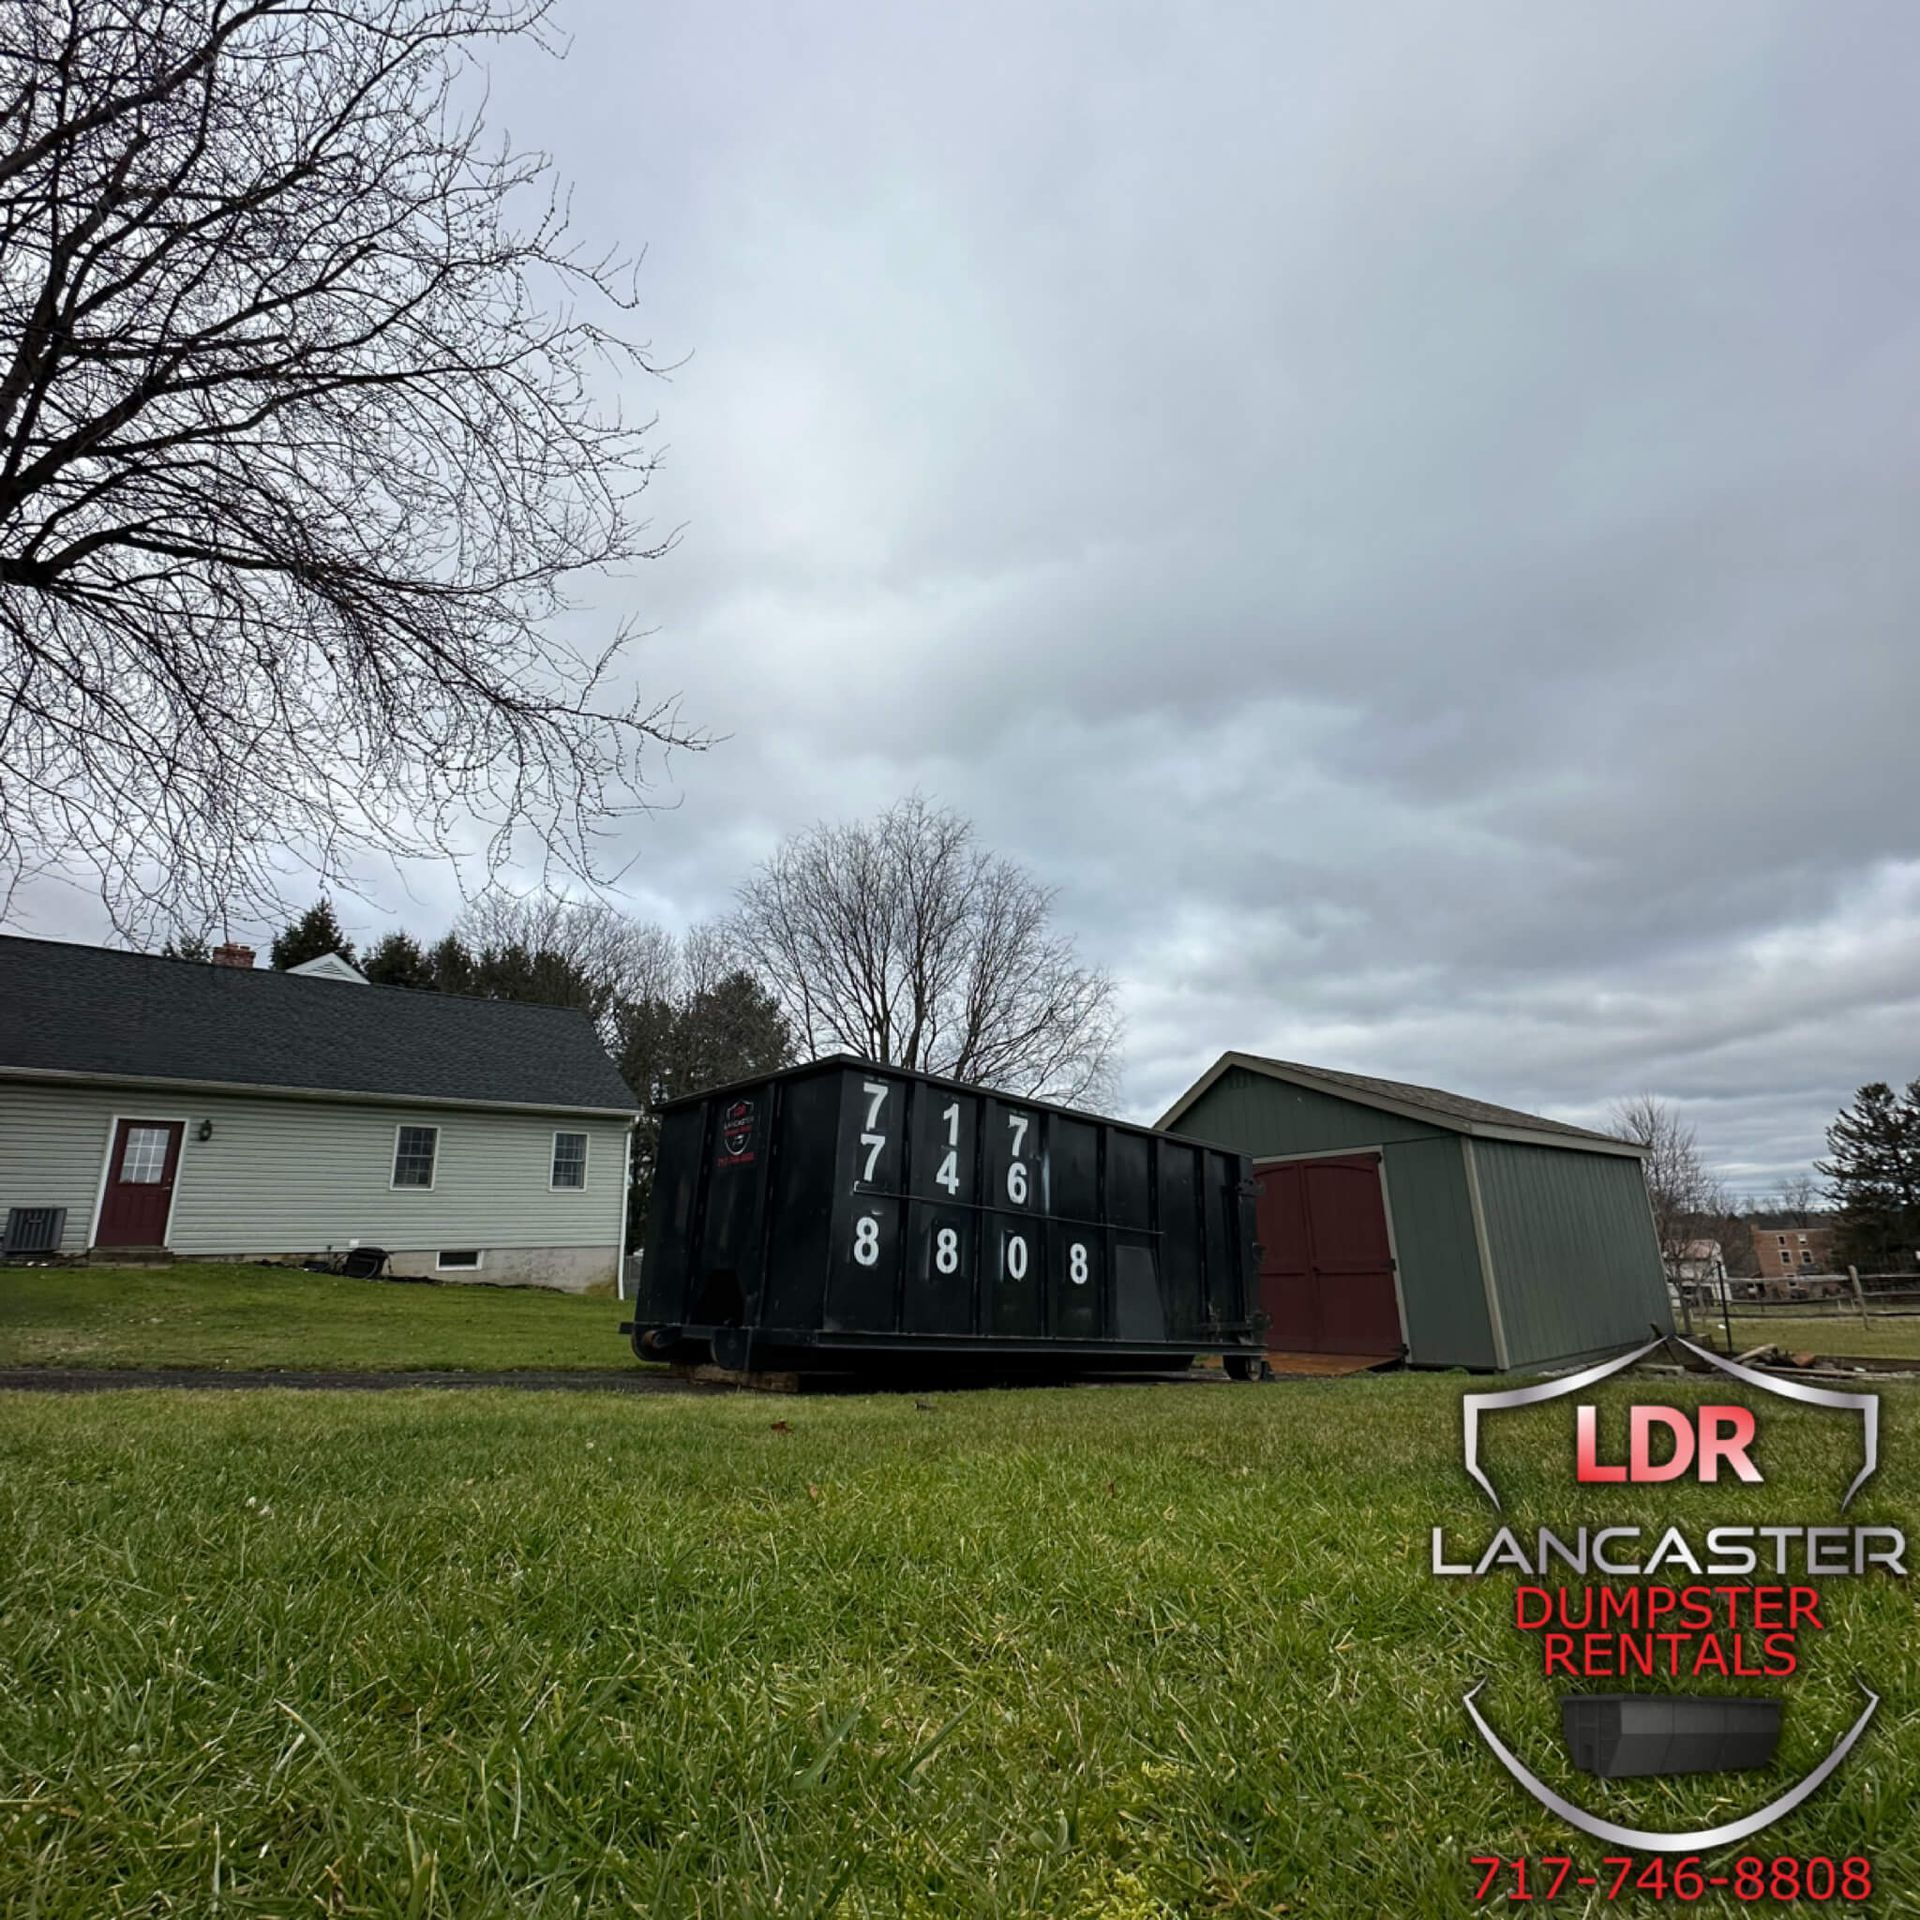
{"points": [[206, 1130]]}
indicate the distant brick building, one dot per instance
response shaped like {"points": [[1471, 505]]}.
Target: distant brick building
{"points": [[1785, 1250]]}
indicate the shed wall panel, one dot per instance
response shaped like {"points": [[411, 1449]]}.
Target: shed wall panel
{"points": [[289, 1176], [1574, 1256], [1440, 1277]]}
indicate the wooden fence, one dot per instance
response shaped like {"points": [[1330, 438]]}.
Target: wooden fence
{"points": [[1863, 1297]]}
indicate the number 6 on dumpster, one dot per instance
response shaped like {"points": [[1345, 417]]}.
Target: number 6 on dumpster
{"points": [[1017, 1189]]}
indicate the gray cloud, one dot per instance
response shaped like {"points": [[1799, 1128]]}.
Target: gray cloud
{"points": [[1403, 514]]}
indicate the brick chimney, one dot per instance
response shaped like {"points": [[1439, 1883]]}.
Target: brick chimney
{"points": [[232, 954]]}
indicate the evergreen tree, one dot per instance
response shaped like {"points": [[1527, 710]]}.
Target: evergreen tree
{"points": [[732, 1031], [1873, 1174], [317, 931], [186, 946], [699, 1037], [521, 973], [400, 961], [451, 966]]}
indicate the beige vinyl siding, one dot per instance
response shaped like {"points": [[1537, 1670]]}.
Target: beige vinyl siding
{"points": [[298, 1176], [51, 1151]]}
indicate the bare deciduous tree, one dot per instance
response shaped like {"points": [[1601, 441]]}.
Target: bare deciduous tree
{"points": [[1798, 1197], [618, 960], [1689, 1204], [901, 940], [299, 455]]}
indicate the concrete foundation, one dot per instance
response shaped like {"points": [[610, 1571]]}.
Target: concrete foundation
{"points": [[565, 1269]]}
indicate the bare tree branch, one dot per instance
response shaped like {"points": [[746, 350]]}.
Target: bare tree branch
{"points": [[902, 941], [1689, 1205], [300, 457]]}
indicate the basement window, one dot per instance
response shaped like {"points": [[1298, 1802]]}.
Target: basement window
{"points": [[461, 1260]]}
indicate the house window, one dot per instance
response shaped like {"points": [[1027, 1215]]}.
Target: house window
{"points": [[569, 1160], [460, 1260], [1806, 1256], [413, 1154]]}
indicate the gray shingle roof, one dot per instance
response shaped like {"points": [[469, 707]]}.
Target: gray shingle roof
{"points": [[1456, 1110], [98, 1010], [1444, 1105]]}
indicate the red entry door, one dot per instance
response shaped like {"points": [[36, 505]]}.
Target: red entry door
{"points": [[140, 1177], [1326, 1269]]}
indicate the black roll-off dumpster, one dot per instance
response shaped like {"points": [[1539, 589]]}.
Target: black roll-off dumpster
{"points": [[838, 1215]]}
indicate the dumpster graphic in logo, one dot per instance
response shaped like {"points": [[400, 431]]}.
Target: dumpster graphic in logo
{"points": [[1662, 1607], [736, 1133]]}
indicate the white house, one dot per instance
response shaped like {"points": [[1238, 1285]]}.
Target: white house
{"points": [[219, 1110]]}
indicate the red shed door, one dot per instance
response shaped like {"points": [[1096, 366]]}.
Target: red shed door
{"points": [[1326, 1269], [140, 1176]]}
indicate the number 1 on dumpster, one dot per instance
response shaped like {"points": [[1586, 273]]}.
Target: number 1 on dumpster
{"points": [[949, 1174]]}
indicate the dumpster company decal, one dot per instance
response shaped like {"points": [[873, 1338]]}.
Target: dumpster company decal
{"points": [[1666, 1607], [736, 1134]]}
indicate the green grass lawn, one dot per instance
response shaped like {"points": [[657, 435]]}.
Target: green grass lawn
{"points": [[1888, 1336], [1119, 1652], [210, 1314]]}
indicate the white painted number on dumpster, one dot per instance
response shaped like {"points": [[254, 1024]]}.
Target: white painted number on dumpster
{"points": [[946, 1250], [949, 1174], [866, 1240], [1017, 1124], [873, 1140]]}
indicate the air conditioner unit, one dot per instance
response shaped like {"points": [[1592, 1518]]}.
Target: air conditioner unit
{"points": [[33, 1230]]}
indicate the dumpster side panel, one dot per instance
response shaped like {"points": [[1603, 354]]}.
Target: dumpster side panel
{"points": [[867, 1242], [801, 1188], [1015, 1159], [1139, 1312], [1181, 1278], [942, 1269], [1014, 1276], [672, 1222], [737, 1141], [1076, 1239], [1129, 1182], [943, 1146]]}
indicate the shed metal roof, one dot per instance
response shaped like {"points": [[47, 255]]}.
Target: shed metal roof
{"points": [[75, 1012], [1456, 1111]]}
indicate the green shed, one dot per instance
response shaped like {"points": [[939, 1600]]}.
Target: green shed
{"points": [[1400, 1221]]}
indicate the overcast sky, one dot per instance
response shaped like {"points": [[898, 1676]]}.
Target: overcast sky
{"points": [[1405, 514]]}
